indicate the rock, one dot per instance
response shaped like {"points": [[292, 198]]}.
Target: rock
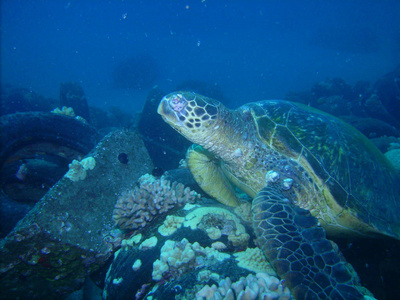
{"points": [[334, 105], [166, 146], [375, 109], [332, 87], [384, 143], [394, 157], [14, 99], [370, 127], [72, 95], [388, 90], [184, 176], [335, 96], [67, 235]]}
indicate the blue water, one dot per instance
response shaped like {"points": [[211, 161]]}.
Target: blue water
{"points": [[252, 50]]}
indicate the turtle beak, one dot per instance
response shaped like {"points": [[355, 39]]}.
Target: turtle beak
{"points": [[173, 109], [167, 113], [163, 108]]}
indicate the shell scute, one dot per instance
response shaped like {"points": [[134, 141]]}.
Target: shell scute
{"points": [[336, 156], [285, 142]]}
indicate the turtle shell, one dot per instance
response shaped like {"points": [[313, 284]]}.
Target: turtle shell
{"points": [[357, 175]]}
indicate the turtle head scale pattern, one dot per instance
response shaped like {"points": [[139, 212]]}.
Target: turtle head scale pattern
{"points": [[190, 114]]}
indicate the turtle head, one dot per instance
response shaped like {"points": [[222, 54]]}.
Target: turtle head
{"points": [[192, 115]]}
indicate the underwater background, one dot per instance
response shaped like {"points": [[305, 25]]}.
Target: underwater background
{"points": [[251, 50], [81, 142]]}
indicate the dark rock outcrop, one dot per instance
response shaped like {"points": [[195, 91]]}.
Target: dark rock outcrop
{"points": [[66, 236], [166, 147], [72, 95]]}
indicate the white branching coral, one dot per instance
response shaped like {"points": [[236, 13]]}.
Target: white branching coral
{"points": [[135, 208], [177, 258], [259, 286]]}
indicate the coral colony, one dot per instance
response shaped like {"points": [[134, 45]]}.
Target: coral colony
{"points": [[134, 209], [153, 197]]}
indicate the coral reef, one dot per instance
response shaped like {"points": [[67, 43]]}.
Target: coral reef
{"points": [[216, 222], [386, 143], [394, 157], [371, 108], [196, 245], [395, 145], [259, 286], [153, 197], [131, 241], [149, 243], [73, 95], [66, 111], [177, 258], [171, 224], [388, 90], [219, 246], [77, 169], [136, 265], [254, 260], [244, 211], [158, 137]]}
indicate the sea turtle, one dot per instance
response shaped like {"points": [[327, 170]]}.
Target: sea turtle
{"points": [[308, 173]]}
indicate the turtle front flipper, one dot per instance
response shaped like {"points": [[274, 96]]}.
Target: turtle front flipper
{"points": [[299, 251], [209, 176]]}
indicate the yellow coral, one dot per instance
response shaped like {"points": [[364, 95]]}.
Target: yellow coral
{"points": [[77, 169], [170, 225], [254, 260], [66, 111]]}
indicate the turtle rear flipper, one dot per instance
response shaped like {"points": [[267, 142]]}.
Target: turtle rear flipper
{"points": [[299, 251]]}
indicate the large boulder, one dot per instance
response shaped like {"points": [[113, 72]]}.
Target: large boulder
{"points": [[72, 95], [388, 90], [166, 146], [16, 99], [68, 233]]}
